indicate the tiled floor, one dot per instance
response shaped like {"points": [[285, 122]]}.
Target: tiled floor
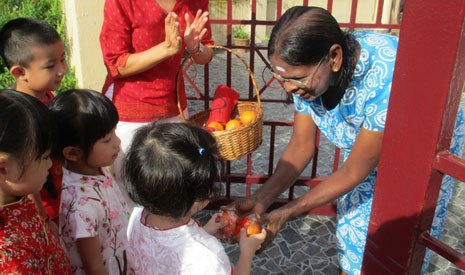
{"points": [[306, 244]]}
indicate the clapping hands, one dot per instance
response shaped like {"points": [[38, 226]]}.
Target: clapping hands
{"points": [[195, 31], [173, 41]]}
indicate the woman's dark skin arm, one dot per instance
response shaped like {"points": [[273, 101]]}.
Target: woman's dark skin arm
{"points": [[292, 162], [363, 158]]}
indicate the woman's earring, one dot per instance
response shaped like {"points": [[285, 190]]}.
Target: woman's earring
{"points": [[334, 68]]}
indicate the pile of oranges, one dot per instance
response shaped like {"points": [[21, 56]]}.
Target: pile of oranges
{"points": [[245, 117]]}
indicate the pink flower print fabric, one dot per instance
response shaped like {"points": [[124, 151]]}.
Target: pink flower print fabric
{"points": [[94, 206]]}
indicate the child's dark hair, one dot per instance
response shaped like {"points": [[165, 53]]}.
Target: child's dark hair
{"points": [[19, 35], [83, 117], [26, 126], [170, 166]]}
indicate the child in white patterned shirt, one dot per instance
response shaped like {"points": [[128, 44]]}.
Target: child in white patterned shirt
{"points": [[171, 170]]}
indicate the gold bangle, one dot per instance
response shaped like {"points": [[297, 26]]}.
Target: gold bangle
{"points": [[198, 51], [195, 53]]}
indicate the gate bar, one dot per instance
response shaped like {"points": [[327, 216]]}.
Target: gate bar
{"points": [[425, 96]]}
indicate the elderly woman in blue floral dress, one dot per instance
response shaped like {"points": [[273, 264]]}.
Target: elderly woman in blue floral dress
{"points": [[340, 83]]}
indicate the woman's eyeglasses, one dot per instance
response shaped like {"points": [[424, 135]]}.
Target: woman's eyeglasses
{"points": [[294, 82]]}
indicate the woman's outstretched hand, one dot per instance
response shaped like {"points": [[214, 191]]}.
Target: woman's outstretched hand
{"points": [[173, 41], [195, 30], [274, 221], [247, 206]]}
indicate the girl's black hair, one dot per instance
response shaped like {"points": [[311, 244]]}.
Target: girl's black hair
{"points": [[170, 166], [83, 117], [26, 126], [304, 35]]}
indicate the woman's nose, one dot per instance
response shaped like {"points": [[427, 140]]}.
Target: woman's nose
{"points": [[289, 87]]}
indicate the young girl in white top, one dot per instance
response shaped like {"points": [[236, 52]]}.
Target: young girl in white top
{"points": [[93, 212], [171, 170]]}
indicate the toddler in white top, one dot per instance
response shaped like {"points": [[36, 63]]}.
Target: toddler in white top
{"points": [[171, 170]]}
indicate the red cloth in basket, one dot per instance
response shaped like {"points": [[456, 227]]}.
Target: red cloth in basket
{"points": [[223, 103]]}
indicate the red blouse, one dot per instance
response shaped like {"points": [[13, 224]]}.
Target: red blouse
{"points": [[27, 245], [132, 26]]}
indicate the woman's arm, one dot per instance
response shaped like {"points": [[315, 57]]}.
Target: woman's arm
{"points": [[193, 35], [362, 159], [292, 162], [89, 251], [142, 61]]}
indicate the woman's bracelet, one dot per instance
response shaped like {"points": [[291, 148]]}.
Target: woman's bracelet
{"points": [[198, 51]]}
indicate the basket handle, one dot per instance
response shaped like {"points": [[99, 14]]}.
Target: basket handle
{"points": [[179, 73]]}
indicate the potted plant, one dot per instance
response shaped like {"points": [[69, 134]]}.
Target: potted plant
{"points": [[240, 37]]}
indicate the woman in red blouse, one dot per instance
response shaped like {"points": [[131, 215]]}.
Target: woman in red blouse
{"points": [[142, 43]]}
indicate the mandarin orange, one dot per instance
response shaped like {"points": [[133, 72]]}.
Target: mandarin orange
{"points": [[247, 116], [233, 123], [217, 126]]}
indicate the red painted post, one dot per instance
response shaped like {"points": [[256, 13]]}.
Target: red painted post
{"points": [[427, 84]]}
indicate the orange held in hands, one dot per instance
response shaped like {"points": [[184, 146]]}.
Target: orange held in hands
{"points": [[247, 116], [251, 225], [233, 123], [232, 231], [216, 126], [232, 220]]}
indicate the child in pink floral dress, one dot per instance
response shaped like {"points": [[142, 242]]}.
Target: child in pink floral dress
{"points": [[27, 245], [171, 170], [93, 212]]}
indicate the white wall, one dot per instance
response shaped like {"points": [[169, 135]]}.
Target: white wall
{"points": [[84, 20]]}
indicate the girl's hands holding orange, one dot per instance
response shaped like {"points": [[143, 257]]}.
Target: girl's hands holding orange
{"points": [[249, 244], [195, 30], [214, 225], [173, 41]]}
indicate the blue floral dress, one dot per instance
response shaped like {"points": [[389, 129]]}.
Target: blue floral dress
{"points": [[364, 105]]}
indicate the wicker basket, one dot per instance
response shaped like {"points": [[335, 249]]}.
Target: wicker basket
{"points": [[240, 141]]}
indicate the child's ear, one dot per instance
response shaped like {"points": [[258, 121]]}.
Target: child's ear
{"points": [[72, 153], [18, 72], [4, 169]]}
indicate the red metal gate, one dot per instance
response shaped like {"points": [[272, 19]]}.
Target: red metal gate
{"points": [[429, 75]]}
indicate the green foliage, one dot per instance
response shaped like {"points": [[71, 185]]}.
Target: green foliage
{"points": [[49, 11], [238, 32]]}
